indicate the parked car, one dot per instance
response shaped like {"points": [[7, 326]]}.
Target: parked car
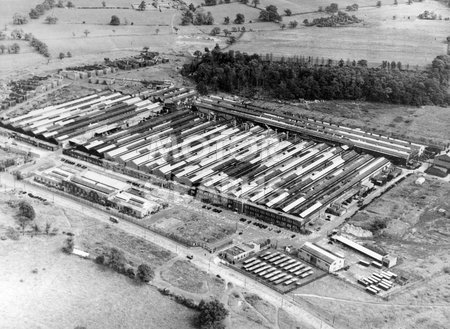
{"points": [[114, 220]]}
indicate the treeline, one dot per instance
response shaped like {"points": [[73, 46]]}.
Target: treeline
{"points": [[249, 74], [340, 18]]}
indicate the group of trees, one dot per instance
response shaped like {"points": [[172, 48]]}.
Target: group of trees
{"points": [[116, 260], [19, 19], [200, 18], [340, 18], [249, 74], [41, 47], [41, 8], [429, 15], [62, 55], [270, 14], [353, 7], [12, 49]]}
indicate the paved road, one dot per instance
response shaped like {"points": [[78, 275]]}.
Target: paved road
{"points": [[202, 260]]}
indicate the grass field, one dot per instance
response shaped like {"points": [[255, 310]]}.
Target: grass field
{"points": [[192, 225], [412, 123], [182, 274], [66, 291], [411, 41]]}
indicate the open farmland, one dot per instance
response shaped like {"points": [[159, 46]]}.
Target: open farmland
{"points": [[379, 37]]}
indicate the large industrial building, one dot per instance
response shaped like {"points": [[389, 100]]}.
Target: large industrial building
{"points": [[281, 170], [320, 257]]}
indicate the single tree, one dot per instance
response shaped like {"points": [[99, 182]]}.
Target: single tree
{"points": [[157, 31], [293, 24], [378, 4], [211, 314], [142, 6], [191, 7], [104, 4], [197, 54], [34, 14], [226, 32], [3, 48], [70, 5], [100, 259], [51, 20], [15, 49], [47, 227], [145, 273], [240, 19], [226, 20], [283, 26], [26, 210], [61, 56], [69, 54], [68, 245], [117, 260], [60, 4], [86, 32], [19, 19], [288, 12], [256, 3], [215, 31]]}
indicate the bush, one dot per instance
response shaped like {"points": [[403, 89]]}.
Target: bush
{"points": [[378, 225], [100, 259], [114, 20], [68, 245]]}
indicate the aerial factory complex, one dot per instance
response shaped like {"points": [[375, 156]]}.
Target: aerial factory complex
{"points": [[224, 164], [276, 168]]}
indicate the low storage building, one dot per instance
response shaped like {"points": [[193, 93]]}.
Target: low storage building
{"points": [[241, 251], [321, 258]]}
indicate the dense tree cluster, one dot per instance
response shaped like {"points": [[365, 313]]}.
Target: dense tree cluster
{"points": [[270, 14], [200, 18], [353, 7], [37, 44], [340, 18], [250, 74], [41, 8], [332, 8], [429, 15]]}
